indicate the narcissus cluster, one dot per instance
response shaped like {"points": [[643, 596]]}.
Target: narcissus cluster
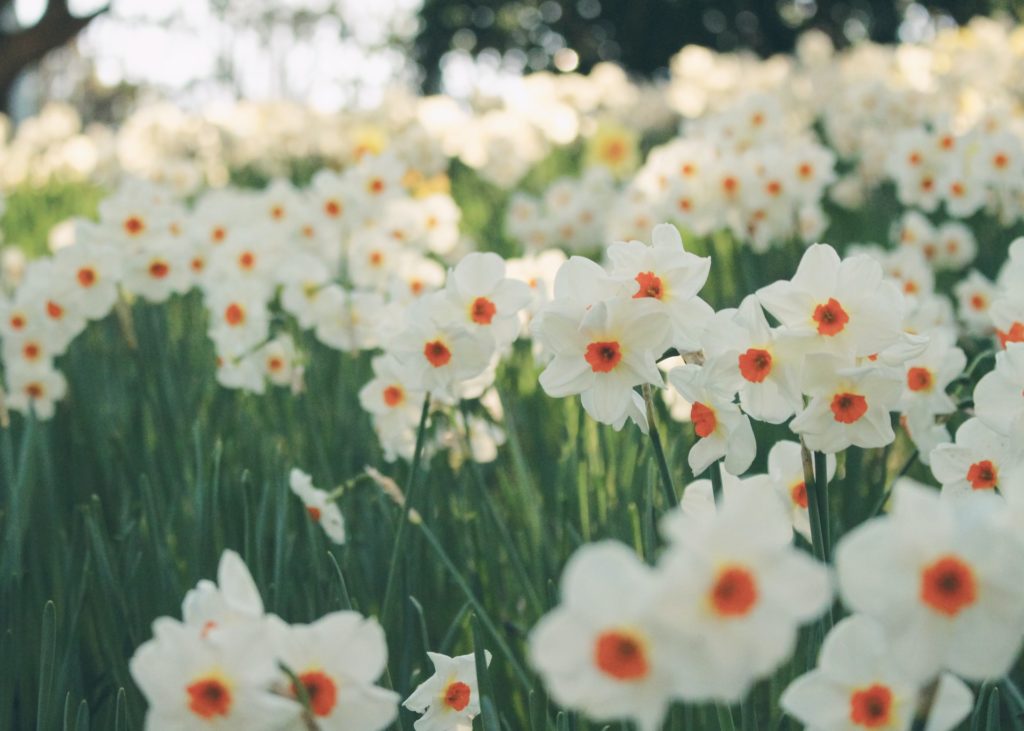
{"points": [[227, 664]]}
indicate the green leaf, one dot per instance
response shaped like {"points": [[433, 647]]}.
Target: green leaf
{"points": [[344, 600], [979, 706], [82, 719], [488, 713], [47, 659], [121, 711], [993, 721]]}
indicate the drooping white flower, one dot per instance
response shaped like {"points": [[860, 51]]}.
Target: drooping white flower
{"points": [[318, 503], [723, 430], [450, 698]]}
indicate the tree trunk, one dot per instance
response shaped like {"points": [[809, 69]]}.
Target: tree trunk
{"points": [[21, 48]]}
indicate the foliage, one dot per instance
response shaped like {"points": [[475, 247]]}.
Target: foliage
{"points": [[111, 511], [33, 211], [642, 35]]}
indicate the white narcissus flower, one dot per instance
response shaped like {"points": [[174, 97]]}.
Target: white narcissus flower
{"points": [[478, 296], [999, 395], [35, 388], [394, 402], [415, 277], [926, 433], [974, 295], [848, 406], [484, 438], [723, 430], [699, 497], [957, 246], [279, 360], [372, 257], [1012, 270], [439, 356], [338, 658], [331, 195], [302, 276], [247, 258], [599, 651], [349, 320], [276, 206], [928, 375], [132, 216], [239, 319], [19, 316], [980, 459], [440, 216], [768, 365], [245, 373], [666, 273], [840, 306], [945, 578], [859, 684], [191, 682], [233, 600], [90, 274], [51, 307], [218, 216], [450, 698], [604, 355], [32, 347], [786, 475], [538, 271], [319, 505], [158, 269], [390, 393], [734, 590], [579, 284], [1007, 313]]}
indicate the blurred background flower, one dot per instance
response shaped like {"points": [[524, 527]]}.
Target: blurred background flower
{"points": [[105, 55]]}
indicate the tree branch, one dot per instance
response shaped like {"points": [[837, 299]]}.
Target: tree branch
{"points": [[21, 48]]}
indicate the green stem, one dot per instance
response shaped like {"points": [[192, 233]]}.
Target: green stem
{"points": [[748, 714], [410, 486], [659, 452], [814, 513], [821, 488], [725, 722], [926, 700], [301, 695], [501, 525], [482, 614], [715, 472], [1015, 701]]}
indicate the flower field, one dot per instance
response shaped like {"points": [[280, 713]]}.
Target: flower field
{"points": [[696, 404]]}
